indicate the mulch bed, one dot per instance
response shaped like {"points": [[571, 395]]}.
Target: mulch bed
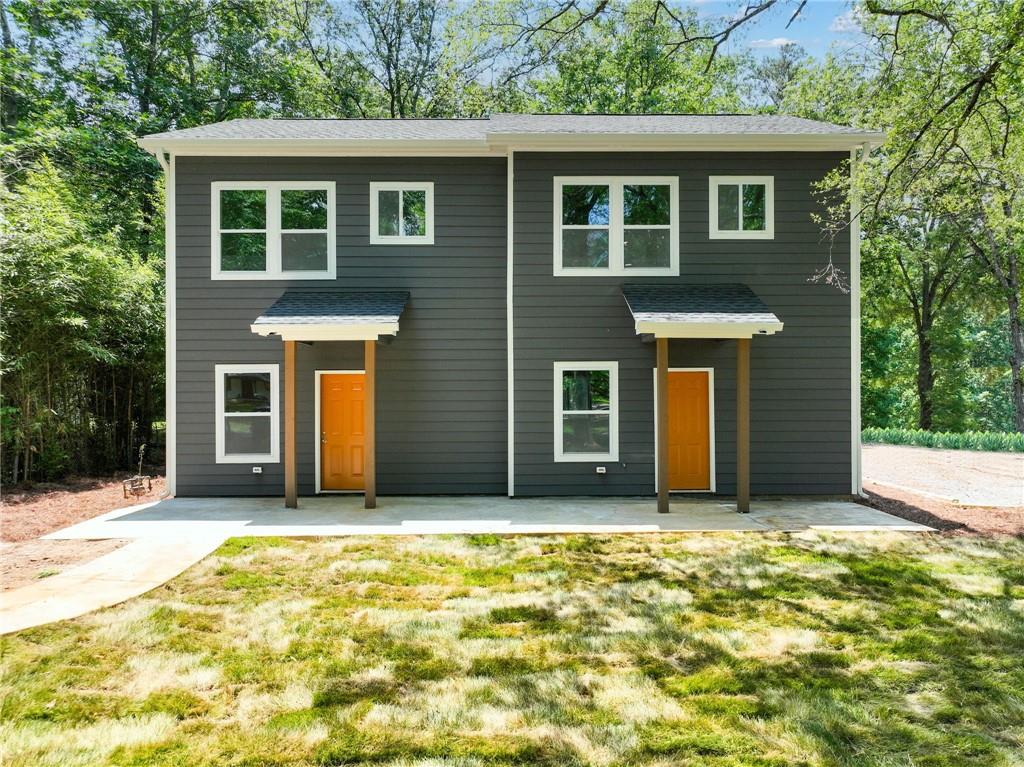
{"points": [[945, 516]]}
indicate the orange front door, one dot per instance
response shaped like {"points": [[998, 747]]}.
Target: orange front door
{"points": [[689, 431], [342, 437]]}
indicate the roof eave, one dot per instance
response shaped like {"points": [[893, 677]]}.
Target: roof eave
{"points": [[744, 142], [315, 147]]}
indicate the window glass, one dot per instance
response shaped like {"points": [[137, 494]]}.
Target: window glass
{"points": [[646, 205], [585, 248], [305, 252], [585, 390], [728, 207], [753, 207], [243, 209], [247, 392], [247, 435], [243, 252], [647, 248], [389, 202], [414, 213], [586, 433], [585, 205], [304, 209]]}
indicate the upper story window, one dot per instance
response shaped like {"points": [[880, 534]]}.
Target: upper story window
{"points": [[616, 225], [742, 207], [247, 422], [401, 213], [273, 230], [586, 411]]}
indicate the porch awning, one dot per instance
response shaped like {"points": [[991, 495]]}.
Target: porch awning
{"points": [[304, 315], [699, 311]]}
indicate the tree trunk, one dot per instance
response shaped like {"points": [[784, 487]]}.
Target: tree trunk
{"points": [[925, 379], [1017, 361]]}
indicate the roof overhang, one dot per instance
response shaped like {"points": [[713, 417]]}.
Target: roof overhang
{"points": [[699, 311], [319, 147], [332, 316]]}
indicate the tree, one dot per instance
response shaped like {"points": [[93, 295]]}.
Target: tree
{"points": [[772, 76]]}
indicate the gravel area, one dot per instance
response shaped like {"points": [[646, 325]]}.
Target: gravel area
{"points": [[962, 477]]}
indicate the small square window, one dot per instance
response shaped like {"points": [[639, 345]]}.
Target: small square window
{"points": [[401, 213], [741, 207], [586, 411]]}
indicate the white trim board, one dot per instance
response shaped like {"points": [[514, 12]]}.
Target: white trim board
{"points": [[171, 326], [317, 430], [274, 456], [312, 332], [613, 412], [712, 469], [509, 324]]}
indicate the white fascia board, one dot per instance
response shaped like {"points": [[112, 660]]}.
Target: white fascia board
{"points": [[322, 147], [295, 332], [711, 142], [707, 329]]}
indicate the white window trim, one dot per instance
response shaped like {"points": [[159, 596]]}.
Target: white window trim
{"points": [[401, 186], [616, 228], [711, 428], [273, 231], [768, 233], [273, 456], [613, 412]]}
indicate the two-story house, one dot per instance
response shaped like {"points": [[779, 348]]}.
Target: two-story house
{"points": [[523, 305]]}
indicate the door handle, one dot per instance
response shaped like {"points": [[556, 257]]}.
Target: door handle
{"points": [[323, 437]]}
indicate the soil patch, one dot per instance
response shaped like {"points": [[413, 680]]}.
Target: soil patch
{"points": [[29, 512], [30, 561], [945, 516]]}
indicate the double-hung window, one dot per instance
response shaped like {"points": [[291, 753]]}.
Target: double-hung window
{"points": [[741, 207], [586, 411], [247, 416], [273, 230], [401, 213], [616, 225]]}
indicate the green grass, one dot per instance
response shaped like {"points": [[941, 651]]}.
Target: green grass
{"points": [[819, 649], [1007, 442]]}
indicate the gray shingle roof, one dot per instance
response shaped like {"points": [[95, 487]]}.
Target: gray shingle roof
{"points": [[731, 302], [479, 130], [302, 307]]}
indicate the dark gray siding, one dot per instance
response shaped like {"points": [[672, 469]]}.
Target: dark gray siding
{"points": [[800, 399], [441, 383]]}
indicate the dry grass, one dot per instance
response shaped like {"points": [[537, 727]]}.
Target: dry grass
{"points": [[726, 650]]}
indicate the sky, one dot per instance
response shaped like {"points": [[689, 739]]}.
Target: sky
{"points": [[820, 24]]}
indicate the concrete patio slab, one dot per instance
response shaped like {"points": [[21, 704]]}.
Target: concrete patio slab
{"points": [[192, 518], [171, 535]]}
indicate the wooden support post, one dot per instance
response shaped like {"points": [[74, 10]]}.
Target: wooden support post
{"points": [[370, 426], [743, 425], [291, 491], [662, 418]]}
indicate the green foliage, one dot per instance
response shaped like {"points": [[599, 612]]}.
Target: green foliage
{"points": [[1012, 442]]}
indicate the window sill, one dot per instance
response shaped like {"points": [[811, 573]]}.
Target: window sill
{"points": [[254, 276]]}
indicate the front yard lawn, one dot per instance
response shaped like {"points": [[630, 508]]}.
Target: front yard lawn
{"points": [[745, 649]]}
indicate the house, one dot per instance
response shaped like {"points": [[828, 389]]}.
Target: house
{"points": [[551, 305]]}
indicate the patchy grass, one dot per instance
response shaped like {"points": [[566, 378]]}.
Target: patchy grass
{"points": [[722, 650]]}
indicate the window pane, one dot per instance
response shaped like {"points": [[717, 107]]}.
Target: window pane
{"points": [[243, 252], [585, 247], [304, 209], [728, 207], [645, 248], [585, 205], [243, 209], [246, 435], [304, 252], [247, 392], [388, 204], [646, 205], [753, 207], [414, 213], [586, 433], [585, 390]]}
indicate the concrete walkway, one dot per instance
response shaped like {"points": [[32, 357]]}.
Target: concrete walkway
{"points": [[170, 536], [965, 477]]}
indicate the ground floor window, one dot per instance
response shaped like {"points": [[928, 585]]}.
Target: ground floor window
{"points": [[586, 411], [247, 420]]}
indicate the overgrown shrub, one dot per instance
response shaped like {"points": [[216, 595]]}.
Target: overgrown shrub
{"points": [[968, 440]]}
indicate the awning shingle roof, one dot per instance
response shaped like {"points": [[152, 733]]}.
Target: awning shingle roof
{"points": [[730, 310], [349, 315]]}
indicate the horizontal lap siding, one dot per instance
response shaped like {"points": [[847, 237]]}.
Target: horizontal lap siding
{"points": [[441, 384], [800, 378]]}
